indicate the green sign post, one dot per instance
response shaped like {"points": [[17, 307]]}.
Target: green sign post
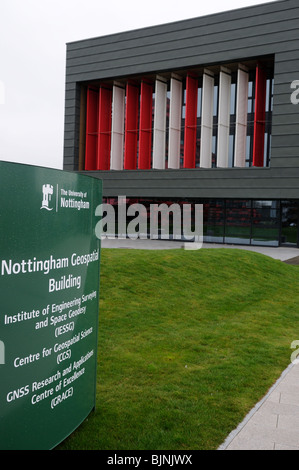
{"points": [[49, 282]]}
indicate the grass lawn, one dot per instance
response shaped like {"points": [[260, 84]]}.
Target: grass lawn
{"points": [[189, 342]]}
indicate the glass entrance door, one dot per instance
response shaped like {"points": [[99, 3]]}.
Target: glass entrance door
{"points": [[289, 223]]}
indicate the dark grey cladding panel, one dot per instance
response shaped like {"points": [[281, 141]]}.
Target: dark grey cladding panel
{"points": [[214, 38], [211, 24], [181, 47], [249, 16], [274, 183], [268, 29]]}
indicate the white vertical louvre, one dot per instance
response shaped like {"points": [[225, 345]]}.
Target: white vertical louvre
{"points": [[225, 81], [241, 117], [160, 124], [117, 129], [207, 119], [175, 118]]}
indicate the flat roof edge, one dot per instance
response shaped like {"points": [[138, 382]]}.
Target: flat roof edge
{"points": [[177, 22]]}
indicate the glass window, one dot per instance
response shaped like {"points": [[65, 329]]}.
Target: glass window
{"points": [[238, 221], [215, 101], [167, 124], [268, 124], [232, 127], [231, 150], [214, 151], [250, 119], [233, 98], [199, 102], [251, 96], [215, 123], [233, 221], [213, 220], [265, 223], [289, 223]]}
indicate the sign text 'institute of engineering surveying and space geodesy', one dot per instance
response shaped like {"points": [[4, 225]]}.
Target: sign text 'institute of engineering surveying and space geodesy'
{"points": [[49, 274]]}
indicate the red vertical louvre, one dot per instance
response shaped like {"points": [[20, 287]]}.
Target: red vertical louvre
{"points": [[91, 129], [190, 122], [131, 127], [259, 117], [145, 126], [104, 138]]}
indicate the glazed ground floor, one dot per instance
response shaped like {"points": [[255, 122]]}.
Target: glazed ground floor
{"points": [[234, 221]]}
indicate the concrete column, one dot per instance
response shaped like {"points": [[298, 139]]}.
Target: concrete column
{"points": [[159, 142], [117, 129], [225, 81], [207, 119], [175, 119]]}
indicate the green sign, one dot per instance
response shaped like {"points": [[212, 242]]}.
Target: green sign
{"points": [[49, 281]]}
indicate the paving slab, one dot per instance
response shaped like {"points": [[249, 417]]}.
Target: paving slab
{"points": [[140, 244], [273, 424]]}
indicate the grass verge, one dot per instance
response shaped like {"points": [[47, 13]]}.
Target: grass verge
{"points": [[189, 342]]}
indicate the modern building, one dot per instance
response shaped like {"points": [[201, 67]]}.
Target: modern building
{"points": [[202, 111]]}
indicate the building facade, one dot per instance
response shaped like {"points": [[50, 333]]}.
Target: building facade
{"points": [[198, 111]]}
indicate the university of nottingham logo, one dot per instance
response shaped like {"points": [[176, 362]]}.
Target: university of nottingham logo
{"points": [[47, 194]]}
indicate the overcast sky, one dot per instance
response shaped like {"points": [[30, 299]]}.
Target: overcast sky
{"points": [[33, 37]]}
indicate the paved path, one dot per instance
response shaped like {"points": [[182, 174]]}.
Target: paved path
{"points": [[273, 424], [282, 253]]}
